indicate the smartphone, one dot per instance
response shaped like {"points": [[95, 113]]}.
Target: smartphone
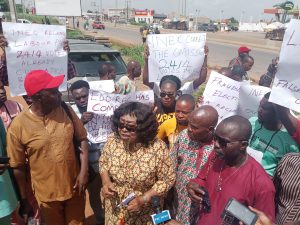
{"points": [[4, 160], [126, 201], [240, 212]]}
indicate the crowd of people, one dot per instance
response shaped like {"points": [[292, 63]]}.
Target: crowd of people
{"points": [[176, 149]]}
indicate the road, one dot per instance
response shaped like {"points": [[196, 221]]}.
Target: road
{"points": [[222, 46]]}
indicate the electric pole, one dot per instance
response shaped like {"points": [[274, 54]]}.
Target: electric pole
{"points": [[12, 8]]}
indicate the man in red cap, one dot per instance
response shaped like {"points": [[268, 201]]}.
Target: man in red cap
{"points": [[242, 51], [43, 134]]}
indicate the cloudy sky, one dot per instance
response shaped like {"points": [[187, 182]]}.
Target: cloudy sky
{"points": [[210, 8]]}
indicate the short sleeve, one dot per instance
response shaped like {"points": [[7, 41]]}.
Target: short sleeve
{"points": [[165, 171], [156, 89], [188, 88], [15, 149]]}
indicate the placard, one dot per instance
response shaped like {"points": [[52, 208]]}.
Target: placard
{"points": [[102, 85], [103, 104], [286, 86], [223, 94], [181, 55], [58, 7], [34, 47]]}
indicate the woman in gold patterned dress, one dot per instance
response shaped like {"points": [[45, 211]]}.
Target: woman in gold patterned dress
{"points": [[134, 161]]}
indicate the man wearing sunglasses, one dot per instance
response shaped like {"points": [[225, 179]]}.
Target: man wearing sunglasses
{"points": [[189, 155], [231, 173]]}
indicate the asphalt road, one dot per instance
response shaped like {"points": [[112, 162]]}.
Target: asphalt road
{"points": [[220, 53]]}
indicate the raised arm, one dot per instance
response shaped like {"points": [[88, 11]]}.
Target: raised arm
{"points": [[145, 70], [287, 119], [203, 72]]}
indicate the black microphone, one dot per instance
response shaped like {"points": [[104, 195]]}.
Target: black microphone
{"points": [[155, 202]]}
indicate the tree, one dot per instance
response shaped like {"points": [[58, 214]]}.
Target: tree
{"points": [[4, 7], [233, 20]]}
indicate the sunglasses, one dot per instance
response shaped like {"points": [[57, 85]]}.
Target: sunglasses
{"points": [[164, 94], [129, 129], [223, 142]]}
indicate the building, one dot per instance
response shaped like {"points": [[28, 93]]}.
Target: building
{"points": [[143, 16]]}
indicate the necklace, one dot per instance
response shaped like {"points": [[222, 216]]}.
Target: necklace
{"points": [[221, 181]]}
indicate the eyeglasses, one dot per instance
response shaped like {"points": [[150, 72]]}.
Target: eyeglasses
{"points": [[129, 129], [164, 94], [223, 142]]}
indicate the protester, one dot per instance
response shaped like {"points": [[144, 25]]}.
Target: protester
{"points": [[8, 198], [8, 109], [168, 131], [287, 181], [236, 72], [144, 35], [189, 155], [43, 134], [80, 93], [134, 161], [242, 51], [103, 71], [269, 136], [165, 105], [231, 173], [247, 63], [267, 78], [127, 84], [187, 88]]}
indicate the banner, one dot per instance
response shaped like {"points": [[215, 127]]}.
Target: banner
{"points": [[286, 86], [103, 85], [58, 7], [34, 47], [181, 55], [103, 105], [230, 97]]}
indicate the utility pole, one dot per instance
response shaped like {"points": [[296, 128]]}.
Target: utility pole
{"points": [[127, 1], [12, 8], [184, 8]]}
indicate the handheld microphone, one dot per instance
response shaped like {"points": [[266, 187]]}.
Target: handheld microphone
{"points": [[161, 216]]}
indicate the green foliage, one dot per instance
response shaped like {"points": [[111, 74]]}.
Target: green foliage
{"points": [[74, 34], [33, 18], [134, 53], [19, 8], [4, 5], [233, 20], [199, 91]]}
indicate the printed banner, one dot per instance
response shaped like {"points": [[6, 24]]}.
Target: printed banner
{"points": [[181, 55], [286, 86], [34, 47]]}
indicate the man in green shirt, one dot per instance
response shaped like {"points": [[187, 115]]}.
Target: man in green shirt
{"points": [[8, 199], [269, 137]]}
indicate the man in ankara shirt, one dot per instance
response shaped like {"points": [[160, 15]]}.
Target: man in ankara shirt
{"points": [[43, 135]]}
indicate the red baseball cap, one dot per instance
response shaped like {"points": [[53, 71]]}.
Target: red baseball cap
{"points": [[244, 49], [38, 80]]}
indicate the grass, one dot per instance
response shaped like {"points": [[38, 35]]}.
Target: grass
{"points": [[134, 53], [33, 18], [74, 34]]}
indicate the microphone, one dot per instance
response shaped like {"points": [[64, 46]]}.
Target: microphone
{"points": [[161, 216]]}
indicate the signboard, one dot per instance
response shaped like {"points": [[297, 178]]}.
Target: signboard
{"points": [[181, 55], [103, 104], [286, 86], [58, 7], [103, 85], [32, 47], [230, 97]]}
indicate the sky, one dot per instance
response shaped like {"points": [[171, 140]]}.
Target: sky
{"points": [[248, 10]]}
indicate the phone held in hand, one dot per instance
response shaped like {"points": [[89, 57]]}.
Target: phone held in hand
{"points": [[239, 212], [126, 201], [4, 160]]}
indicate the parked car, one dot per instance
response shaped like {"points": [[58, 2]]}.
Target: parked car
{"points": [[86, 57], [276, 34], [23, 21], [98, 25], [207, 27], [232, 28]]}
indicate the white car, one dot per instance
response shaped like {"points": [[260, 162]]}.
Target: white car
{"points": [[23, 21]]}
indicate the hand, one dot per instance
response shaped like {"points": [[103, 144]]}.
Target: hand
{"points": [[173, 222], [206, 50], [3, 168], [146, 52], [262, 218], [86, 117], [81, 182], [136, 204], [25, 210], [195, 192], [200, 101], [66, 46], [3, 42], [108, 190]]}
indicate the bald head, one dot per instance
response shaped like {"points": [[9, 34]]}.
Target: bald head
{"points": [[134, 69], [207, 114], [235, 128]]}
